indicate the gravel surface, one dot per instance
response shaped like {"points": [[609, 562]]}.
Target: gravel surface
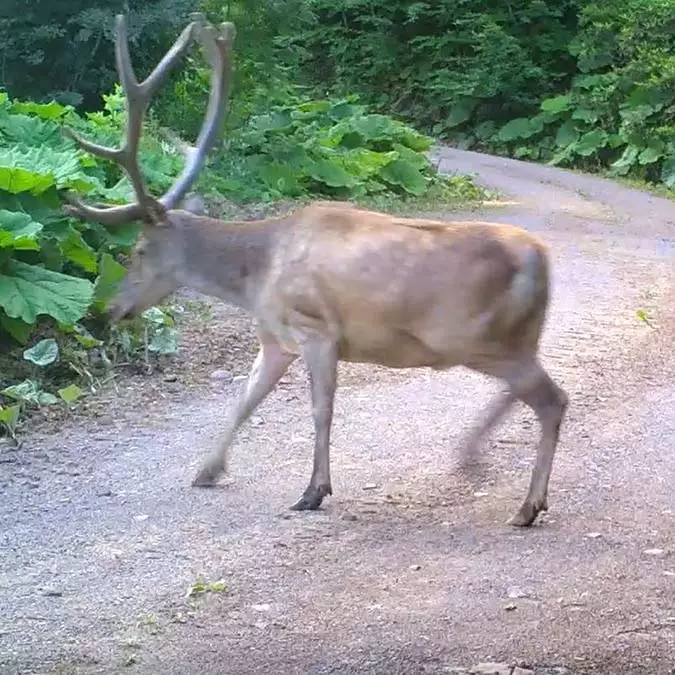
{"points": [[110, 562]]}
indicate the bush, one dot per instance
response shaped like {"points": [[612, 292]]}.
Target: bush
{"points": [[333, 148], [620, 109]]}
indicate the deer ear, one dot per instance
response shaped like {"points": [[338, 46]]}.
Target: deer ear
{"points": [[154, 214]]}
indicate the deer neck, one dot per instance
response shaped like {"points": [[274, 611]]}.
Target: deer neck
{"points": [[229, 260]]}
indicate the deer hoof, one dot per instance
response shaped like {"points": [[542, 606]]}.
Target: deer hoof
{"points": [[207, 476], [527, 514], [312, 498]]}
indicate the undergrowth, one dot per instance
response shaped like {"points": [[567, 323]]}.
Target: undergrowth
{"points": [[57, 274]]}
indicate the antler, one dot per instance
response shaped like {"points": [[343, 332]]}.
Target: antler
{"points": [[216, 44]]}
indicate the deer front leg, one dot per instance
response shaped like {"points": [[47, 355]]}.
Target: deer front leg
{"points": [[269, 366], [321, 359]]}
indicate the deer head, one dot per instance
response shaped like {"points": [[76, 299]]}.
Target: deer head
{"points": [[158, 256]]}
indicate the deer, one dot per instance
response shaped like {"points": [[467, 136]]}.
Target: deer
{"points": [[334, 282]]}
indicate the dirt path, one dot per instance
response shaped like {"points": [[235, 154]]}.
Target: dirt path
{"points": [[408, 569]]}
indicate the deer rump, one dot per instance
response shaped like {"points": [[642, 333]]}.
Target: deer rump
{"points": [[403, 292]]}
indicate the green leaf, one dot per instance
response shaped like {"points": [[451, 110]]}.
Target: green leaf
{"points": [[416, 159], [29, 391], [43, 353], [625, 163], [566, 134], [18, 329], [461, 112], [18, 231], [156, 316], [403, 173], [329, 173], [36, 169], [70, 394], [27, 291], [76, 249], [586, 114], [650, 155], [47, 111], [164, 341], [557, 104], [591, 142], [110, 273], [9, 416], [521, 127]]}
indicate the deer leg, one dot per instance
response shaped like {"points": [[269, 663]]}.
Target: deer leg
{"points": [[549, 402], [269, 366], [321, 359], [469, 448]]}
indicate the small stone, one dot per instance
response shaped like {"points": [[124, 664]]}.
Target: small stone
{"points": [[141, 517], [517, 593], [239, 378], [52, 592], [594, 535], [481, 493], [257, 421], [511, 607], [415, 568], [261, 608], [370, 486], [222, 375], [668, 573], [656, 552], [171, 377], [491, 669]]}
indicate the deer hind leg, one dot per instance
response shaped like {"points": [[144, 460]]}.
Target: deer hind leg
{"points": [[469, 447], [321, 359], [532, 385], [269, 366]]}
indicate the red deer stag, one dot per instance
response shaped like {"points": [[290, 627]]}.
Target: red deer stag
{"points": [[332, 282]]}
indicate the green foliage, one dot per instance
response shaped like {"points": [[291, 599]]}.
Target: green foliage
{"points": [[619, 110], [584, 84], [57, 274], [448, 66], [334, 148], [64, 50]]}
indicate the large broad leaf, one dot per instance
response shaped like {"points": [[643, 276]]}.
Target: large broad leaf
{"points": [[110, 273], [26, 169], [557, 104], [280, 177], [404, 174], [364, 163], [331, 174], [19, 330], [566, 134], [42, 353], [27, 291], [417, 159], [461, 112], [521, 127], [47, 111], [76, 249], [591, 142], [627, 160], [18, 231], [30, 131]]}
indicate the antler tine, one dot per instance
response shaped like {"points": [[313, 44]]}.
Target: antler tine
{"points": [[138, 96], [216, 45]]}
